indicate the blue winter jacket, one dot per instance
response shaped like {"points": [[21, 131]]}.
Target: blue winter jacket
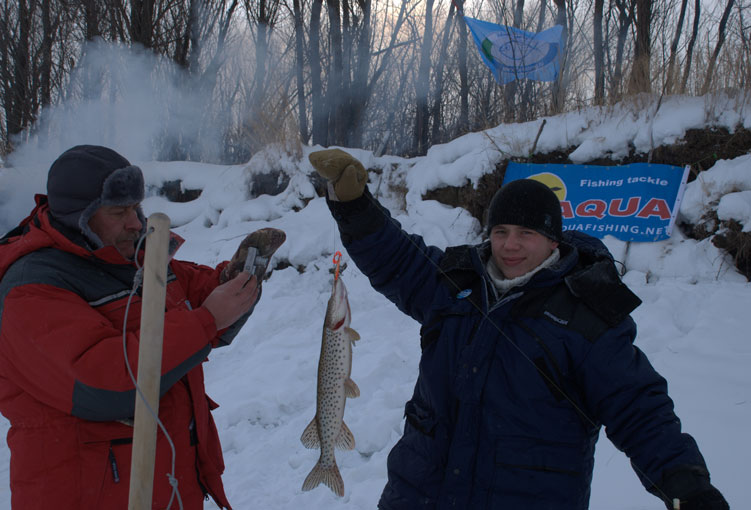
{"points": [[513, 389]]}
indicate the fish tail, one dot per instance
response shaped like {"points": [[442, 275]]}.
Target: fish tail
{"points": [[329, 476]]}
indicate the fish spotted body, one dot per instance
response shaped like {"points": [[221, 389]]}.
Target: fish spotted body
{"points": [[327, 430]]}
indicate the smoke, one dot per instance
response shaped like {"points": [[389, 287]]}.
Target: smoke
{"points": [[131, 100]]}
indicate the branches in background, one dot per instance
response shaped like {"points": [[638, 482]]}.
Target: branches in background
{"points": [[393, 75]]}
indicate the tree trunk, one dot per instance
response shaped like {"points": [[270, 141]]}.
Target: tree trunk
{"points": [[625, 19], [142, 22], [670, 78], [691, 43], [438, 98], [721, 32], [302, 115], [47, 40], [640, 76], [262, 19], [91, 19], [559, 90], [345, 100], [16, 115], [320, 115], [599, 53], [5, 80], [422, 85], [541, 16], [184, 41], [360, 91], [335, 91], [510, 89], [463, 78]]}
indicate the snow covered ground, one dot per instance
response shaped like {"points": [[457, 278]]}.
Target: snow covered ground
{"points": [[693, 324]]}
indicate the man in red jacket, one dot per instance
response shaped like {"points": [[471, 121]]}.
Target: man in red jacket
{"points": [[66, 275]]}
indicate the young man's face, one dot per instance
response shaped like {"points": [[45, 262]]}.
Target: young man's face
{"points": [[518, 250], [117, 226]]}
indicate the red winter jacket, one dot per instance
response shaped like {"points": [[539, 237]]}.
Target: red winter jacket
{"points": [[66, 390]]}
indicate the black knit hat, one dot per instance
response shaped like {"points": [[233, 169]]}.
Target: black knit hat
{"points": [[527, 203], [86, 177]]}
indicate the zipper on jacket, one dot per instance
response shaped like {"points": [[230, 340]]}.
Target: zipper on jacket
{"points": [[113, 460], [113, 465]]}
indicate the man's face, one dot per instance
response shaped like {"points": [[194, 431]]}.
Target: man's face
{"points": [[117, 226], [518, 250]]}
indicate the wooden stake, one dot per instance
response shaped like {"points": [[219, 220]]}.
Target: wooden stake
{"points": [[149, 361]]}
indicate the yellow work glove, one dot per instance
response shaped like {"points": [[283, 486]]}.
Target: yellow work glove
{"points": [[344, 172]]}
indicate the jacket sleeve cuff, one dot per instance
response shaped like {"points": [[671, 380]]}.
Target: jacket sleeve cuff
{"points": [[207, 322], [681, 482], [358, 218]]}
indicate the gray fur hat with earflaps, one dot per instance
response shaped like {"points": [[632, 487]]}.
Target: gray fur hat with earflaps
{"points": [[87, 177]]}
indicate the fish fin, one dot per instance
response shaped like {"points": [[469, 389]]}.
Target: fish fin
{"points": [[330, 477], [345, 440], [309, 436], [353, 335], [350, 388]]}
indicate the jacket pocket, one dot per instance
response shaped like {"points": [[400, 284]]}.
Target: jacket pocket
{"points": [[420, 417], [455, 315], [539, 455], [105, 466], [419, 457], [546, 472]]}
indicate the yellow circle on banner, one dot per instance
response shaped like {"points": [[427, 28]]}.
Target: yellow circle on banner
{"points": [[553, 182]]}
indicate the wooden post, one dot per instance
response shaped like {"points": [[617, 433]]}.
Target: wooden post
{"points": [[149, 361]]}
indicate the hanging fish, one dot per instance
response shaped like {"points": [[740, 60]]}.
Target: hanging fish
{"points": [[327, 430]]}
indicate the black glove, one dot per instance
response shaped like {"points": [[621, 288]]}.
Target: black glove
{"points": [[709, 499], [690, 484]]}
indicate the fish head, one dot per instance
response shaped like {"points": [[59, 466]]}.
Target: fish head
{"points": [[338, 312]]}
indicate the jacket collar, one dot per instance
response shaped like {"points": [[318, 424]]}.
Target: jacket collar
{"points": [[39, 230], [569, 258]]}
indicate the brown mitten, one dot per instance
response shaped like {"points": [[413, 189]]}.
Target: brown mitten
{"points": [[265, 242], [347, 174]]}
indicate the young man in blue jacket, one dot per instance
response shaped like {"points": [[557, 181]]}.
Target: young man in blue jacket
{"points": [[527, 350]]}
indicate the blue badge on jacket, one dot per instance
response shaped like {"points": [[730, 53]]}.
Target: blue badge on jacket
{"points": [[464, 293]]}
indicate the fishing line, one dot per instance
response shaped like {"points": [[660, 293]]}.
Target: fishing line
{"points": [[137, 280], [504, 335]]}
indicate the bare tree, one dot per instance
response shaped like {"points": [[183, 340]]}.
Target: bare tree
{"points": [[438, 99], [320, 113], [142, 22], [302, 117], [335, 102], [599, 52], [691, 43], [625, 18], [463, 125], [261, 16], [639, 80], [720, 41], [422, 84], [558, 89], [317, 65], [670, 78]]}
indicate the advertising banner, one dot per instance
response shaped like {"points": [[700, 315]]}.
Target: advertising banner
{"points": [[636, 202]]}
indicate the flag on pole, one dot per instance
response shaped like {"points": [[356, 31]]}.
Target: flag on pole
{"points": [[514, 54]]}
